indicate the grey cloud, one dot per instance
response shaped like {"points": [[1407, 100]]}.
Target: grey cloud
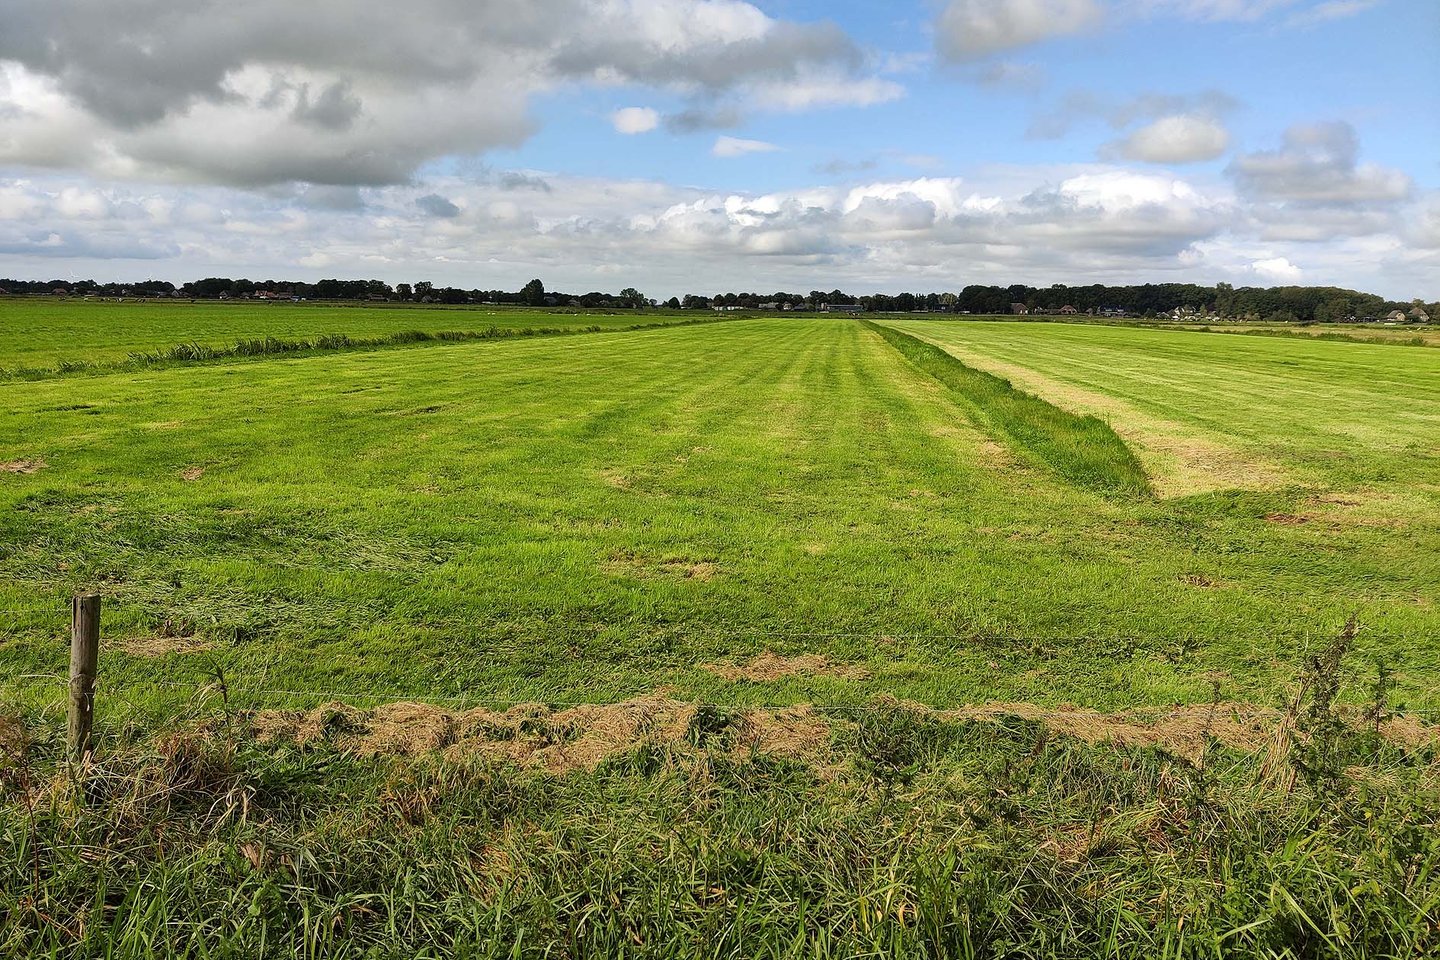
{"points": [[1318, 164], [435, 205], [714, 65], [1314, 188], [71, 245], [700, 118], [1080, 106], [216, 92], [970, 30], [514, 180], [339, 199], [335, 108]]}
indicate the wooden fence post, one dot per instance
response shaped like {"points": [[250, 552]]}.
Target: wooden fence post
{"points": [[84, 657]]}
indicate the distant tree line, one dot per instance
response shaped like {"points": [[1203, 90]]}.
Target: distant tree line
{"points": [[1288, 304]]}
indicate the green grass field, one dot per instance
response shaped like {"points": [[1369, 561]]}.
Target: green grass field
{"points": [[603, 514], [43, 333], [1140, 518]]}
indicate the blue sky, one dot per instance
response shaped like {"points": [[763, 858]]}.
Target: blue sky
{"points": [[692, 145]]}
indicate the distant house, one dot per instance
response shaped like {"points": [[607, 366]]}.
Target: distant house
{"points": [[1419, 315], [842, 308], [1019, 309], [1395, 316], [60, 292], [771, 305], [1068, 310]]}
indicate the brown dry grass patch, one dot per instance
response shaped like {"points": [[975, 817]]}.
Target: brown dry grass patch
{"points": [[191, 474], [1181, 730], [796, 732], [172, 637], [767, 667], [529, 735], [34, 465], [162, 646], [560, 741], [628, 564], [14, 738]]}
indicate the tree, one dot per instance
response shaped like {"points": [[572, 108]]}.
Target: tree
{"points": [[423, 288], [403, 291], [633, 298], [533, 293], [673, 303]]}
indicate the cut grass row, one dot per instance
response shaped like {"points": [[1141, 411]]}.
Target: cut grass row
{"points": [[1082, 449], [1340, 415]]}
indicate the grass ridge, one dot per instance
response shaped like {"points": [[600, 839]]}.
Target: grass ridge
{"points": [[1082, 449]]}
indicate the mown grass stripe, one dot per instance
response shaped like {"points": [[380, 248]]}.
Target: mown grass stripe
{"points": [[1083, 450], [194, 352]]}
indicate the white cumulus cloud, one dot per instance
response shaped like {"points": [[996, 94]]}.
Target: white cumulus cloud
{"points": [[635, 120], [1277, 269], [739, 147], [1175, 139], [972, 29]]}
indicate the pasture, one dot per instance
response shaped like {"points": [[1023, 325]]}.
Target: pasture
{"points": [[607, 513], [44, 333], [640, 641]]}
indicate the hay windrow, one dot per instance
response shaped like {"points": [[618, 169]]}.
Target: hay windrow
{"points": [[22, 466], [529, 735], [798, 732], [538, 737]]}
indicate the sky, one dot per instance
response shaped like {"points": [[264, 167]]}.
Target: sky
{"points": [[701, 146]]}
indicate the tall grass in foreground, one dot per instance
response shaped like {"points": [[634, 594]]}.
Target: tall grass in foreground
{"points": [[917, 837], [1083, 450]]}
